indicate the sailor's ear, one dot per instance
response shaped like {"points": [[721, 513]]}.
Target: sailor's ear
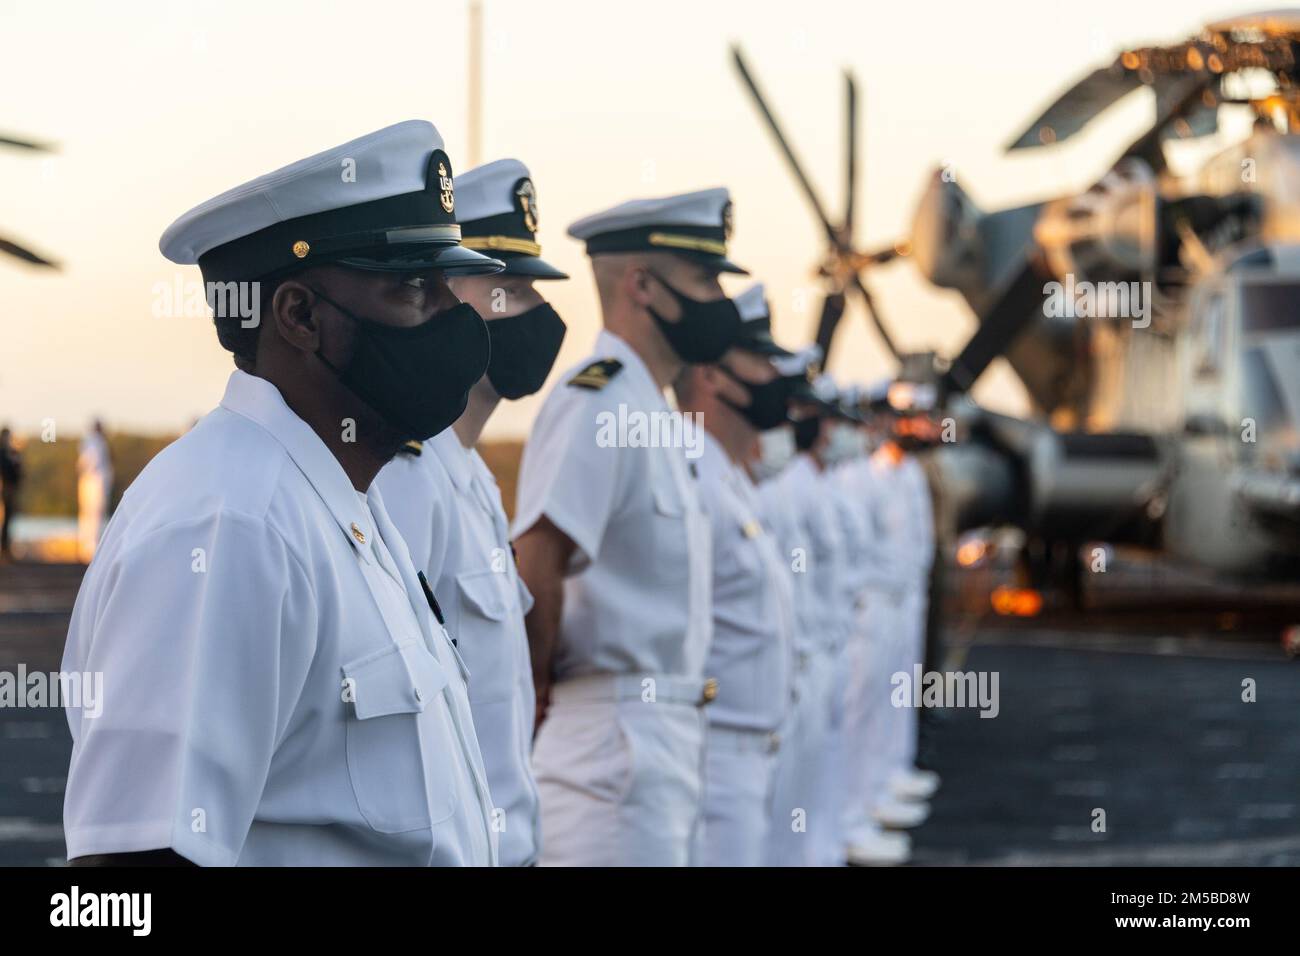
{"points": [[296, 313]]}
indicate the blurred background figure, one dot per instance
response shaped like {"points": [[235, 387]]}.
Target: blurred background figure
{"points": [[94, 485], [11, 477]]}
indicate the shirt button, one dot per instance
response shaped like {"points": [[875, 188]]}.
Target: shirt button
{"points": [[419, 694]]}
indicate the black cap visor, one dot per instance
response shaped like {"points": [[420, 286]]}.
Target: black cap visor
{"points": [[761, 343], [716, 263], [453, 260], [534, 267]]}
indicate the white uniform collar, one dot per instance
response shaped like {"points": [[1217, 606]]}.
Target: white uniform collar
{"points": [[454, 457], [609, 345], [714, 457], [261, 402]]}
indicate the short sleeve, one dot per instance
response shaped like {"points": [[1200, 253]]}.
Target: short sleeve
{"points": [[570, 473], [203, 633]]}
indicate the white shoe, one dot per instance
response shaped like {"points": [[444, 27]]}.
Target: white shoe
{"points": [[914, 784], [880, 848], [900, 814]]}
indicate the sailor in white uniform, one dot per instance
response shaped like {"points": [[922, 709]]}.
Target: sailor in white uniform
{"points": [[915, 403], [805, 525], [615, 548], [94, 485], [837, 579], [444, 500], [842, 453], [277, 689], [753, 602], [868, 717]]}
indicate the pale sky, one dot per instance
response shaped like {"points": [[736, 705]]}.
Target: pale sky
{"points": [[157, 106]]}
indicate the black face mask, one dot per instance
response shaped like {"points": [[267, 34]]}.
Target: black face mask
{"points": [[418, 377], [704, 332], [524, 348], [806, 431], [768, 403]]}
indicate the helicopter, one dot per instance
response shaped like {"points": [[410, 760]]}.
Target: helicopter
{"points": [[1154, 320], [9, 246]]}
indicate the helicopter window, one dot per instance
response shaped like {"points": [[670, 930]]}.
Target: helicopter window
{"points": [[1261, 397], [1270, 306]]}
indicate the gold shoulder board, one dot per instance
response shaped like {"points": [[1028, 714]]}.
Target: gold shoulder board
{"points": [[597, 375]]}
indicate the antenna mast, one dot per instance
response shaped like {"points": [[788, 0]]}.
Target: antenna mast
{"points": [[475, 85]]}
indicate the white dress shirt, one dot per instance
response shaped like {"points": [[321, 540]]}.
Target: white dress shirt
{"points": [[446, 504], [636, 600], [753, 610], [820, 524], [276, 689]]}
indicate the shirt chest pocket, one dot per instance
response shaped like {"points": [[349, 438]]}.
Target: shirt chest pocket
{"points": [[487, 594], [746, 550], [490, 621], [668, 503], [668, 533], [398, 731]]}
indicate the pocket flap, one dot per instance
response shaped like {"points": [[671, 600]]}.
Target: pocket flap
{"points": [[400, 679], [667, 501], [487, 592]]}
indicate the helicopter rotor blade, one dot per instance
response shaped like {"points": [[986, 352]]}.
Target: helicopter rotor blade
{"points": [[1175, 105], [25, 254], [873, 315], [1018, 302], [792, 161], [828, 322], [851, 153], [25, 144]]}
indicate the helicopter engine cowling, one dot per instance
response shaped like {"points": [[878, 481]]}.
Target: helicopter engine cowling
{"points": [[1108, 233], [945, 241], [980, 487], [1098, 486]]}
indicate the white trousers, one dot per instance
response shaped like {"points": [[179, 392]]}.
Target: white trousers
{"points": [[619, 781], [871, 723], [797, 814], [909, 651], [828, 834], [739, 768]]}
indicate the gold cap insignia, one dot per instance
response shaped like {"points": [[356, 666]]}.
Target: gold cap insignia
{"points": [[526, 197], [301, 248], [446, 190]]}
